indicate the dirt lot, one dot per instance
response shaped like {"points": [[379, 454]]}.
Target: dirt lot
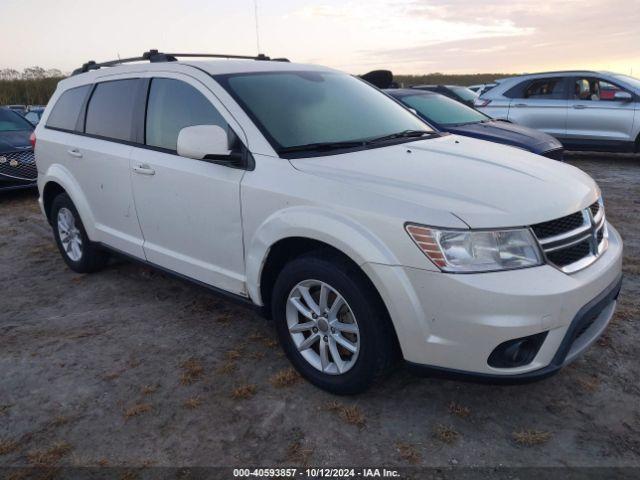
{"points": [[130, 367]]}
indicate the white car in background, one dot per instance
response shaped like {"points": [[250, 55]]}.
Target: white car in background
{"points": [[366, 235], [585, 110]]}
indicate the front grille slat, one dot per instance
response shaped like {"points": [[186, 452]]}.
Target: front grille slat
{"points": [[574, 241], [19, 165]]}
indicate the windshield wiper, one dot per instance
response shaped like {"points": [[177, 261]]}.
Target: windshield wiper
{"points": [[403, 134], [322, 146]]}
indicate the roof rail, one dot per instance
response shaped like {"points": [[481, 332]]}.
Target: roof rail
{"points": [[154, 56]]}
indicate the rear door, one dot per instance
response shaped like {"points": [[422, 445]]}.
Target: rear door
{"points": [[98, 157], [594, 113], [541, 104], [189, 210]]}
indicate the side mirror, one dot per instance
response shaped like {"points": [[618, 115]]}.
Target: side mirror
{"points": [[204, 142], [622, 96]]}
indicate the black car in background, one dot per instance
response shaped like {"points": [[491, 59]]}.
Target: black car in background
{"points": [[456, 92], [17, 162], [451, 116]]}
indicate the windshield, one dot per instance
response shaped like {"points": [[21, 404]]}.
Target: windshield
{"points": [[13, 122], [464, 93], [308, 108], [633, 81], [442, 110]]}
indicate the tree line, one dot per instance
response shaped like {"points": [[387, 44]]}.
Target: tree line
{"points": [[32, 86]]}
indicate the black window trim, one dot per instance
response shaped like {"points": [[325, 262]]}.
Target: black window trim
{"points": [[138, 125], [81, 114]]}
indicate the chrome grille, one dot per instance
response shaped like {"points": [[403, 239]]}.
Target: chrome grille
{"points": [[19, 165], [575, 241]]}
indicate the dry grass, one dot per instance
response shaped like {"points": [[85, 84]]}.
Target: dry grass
{"points": [[111, 375], [227, 368], [137, 409], [297, 454], [235, 354], [149, 389], [459, 410], [446, 434], [244, 392], [285, 378], [192, 371], [589, 384], [350, 414], [408, 452], [7, 446], [193, 402], [51, 456], [530, 438], [129, 475]]}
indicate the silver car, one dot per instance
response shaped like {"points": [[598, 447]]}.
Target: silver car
{"points": [[585, 110]]}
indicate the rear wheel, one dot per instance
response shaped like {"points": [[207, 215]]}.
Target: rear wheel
{"points": [[79, 253], [332, 324]]}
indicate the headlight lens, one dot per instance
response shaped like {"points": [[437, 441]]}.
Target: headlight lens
{"points": [[477, 250]]}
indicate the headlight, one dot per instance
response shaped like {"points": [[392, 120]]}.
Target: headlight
{"points": [[477, 250]]}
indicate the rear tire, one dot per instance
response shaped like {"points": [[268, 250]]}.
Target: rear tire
{"points": [[79, 253], [341, 349]]}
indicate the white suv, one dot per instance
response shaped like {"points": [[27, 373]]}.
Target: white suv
{"points": [[364, 233]]}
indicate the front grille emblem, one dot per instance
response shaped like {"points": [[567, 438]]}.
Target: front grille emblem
{"points": [[13, 163], [3, 159]]}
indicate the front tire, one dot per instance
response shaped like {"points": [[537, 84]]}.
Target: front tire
{"points": [[332, 324], [78, 252]]}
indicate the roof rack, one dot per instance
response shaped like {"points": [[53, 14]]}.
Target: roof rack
{"points": [[155, 56]]}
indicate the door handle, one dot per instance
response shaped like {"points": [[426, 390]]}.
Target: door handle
{"points": [[579, 107], [74, 152], [520, 105], [144, 169]]}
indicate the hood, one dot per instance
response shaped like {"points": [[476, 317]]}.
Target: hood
{"points": [[485, 184], [509, 134], [14, 140]]}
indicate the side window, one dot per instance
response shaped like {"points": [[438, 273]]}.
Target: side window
{"points": [[545, 89], [67, 109], [111, 109], [174, 105], [593, 89]]}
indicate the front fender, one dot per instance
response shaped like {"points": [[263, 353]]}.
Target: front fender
{"points": [[341, 232], [60, 175]]}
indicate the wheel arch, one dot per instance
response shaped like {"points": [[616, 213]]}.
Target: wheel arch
{"points": [[58, 180]]}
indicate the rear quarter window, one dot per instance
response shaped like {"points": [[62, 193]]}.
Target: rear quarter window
{"points": [[66, 111], [111, 109]]}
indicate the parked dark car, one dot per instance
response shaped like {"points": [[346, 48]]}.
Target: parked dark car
{"points": [[450, 116], [456, 92], [34, 114], [17, 162]]}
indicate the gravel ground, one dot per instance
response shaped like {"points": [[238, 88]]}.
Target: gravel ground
{"points": [[129, 367]]}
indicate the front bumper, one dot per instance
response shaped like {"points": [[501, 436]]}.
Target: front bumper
{"points": [[450, 324]]}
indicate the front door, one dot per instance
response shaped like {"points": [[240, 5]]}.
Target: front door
{"points": [[595, 114], [189, 210]]}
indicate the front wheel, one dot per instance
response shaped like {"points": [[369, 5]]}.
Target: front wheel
{"points": [[79, 253], [332, 324]]}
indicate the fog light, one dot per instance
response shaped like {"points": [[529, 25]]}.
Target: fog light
{"points": [[517, 352]]}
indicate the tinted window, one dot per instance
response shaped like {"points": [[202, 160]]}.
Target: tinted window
{"points": [[67, 109], [302, 108], [110, 111], [547, 88], [174, 105], [12, 122], [442, 110]]}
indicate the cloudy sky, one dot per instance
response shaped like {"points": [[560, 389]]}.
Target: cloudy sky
{"points": [[407, 36]]}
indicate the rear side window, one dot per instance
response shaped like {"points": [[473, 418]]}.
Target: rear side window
{"points": [[111, 109], [67, 109], [545, 89], [172, 106]]}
